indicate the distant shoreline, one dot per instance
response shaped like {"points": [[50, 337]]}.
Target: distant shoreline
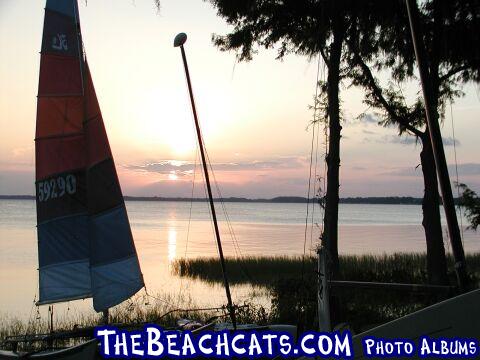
{"points": [[387, 200]]}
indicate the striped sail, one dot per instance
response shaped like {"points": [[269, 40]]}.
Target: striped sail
{"points": [[85, 245]]}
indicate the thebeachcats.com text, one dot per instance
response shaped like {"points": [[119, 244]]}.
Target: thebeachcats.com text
{"points": [[154, 342]]}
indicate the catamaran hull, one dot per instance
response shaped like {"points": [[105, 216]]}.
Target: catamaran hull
{"points": [[456, 317], [85, 351]]}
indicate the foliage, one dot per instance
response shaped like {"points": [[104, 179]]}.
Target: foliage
{"points": [[471, 203], [378, 48]]}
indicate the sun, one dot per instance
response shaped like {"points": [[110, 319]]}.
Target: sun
{"points": [[167, 123], [180, 143], [172, 176]]}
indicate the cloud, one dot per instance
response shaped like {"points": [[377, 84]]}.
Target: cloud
{"points": [[449, 141], [185, 168], [463, 170], [267, 187], [395, 139], [411, 140], [368, 118], [406, 171], [17, 182]]}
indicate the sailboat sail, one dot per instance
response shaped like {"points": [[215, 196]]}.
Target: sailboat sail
{"points": [[85, 244]]}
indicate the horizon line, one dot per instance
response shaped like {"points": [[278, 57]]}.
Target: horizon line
{"points": [[407, 200]]}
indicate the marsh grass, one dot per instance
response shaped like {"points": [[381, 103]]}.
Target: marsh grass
{"points": [[161, 309], [246, 270], [293, 295], [265, 271]]}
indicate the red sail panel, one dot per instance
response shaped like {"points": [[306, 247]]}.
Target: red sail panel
{"points": [[58, 155], [59, 116], [98, 147], [59, 76]]}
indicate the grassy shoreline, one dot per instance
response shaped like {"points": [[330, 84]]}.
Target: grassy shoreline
{"points": [[264, 271], [293, 296]]}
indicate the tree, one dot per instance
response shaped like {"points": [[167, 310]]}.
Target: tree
{"points": [[451, 63], [471, 202], [304, 27], [354, 37]]}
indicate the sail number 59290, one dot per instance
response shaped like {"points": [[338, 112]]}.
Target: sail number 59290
{"points": [[56, 187]]}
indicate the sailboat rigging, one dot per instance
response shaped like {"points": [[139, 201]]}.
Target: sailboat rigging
{"points": [[85, 244], [179, 41]]}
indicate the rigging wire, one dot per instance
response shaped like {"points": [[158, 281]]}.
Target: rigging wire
{"points": [[236, 246], [308, 200], [325, 131], [206, 194], [318, 191], [310, 169], [314, 193], [459, 207], [205, 184], [189, 217], [30, 316]]}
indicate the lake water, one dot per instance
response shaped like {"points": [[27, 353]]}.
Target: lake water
{"points": [[165, 231]]}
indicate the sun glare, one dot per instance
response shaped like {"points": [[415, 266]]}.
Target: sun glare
{"points": [[166, 122], [180, 143], [172, 176]]}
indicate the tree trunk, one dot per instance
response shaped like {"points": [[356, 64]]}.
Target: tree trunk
{"points": [[436, 261], [330, 228]]}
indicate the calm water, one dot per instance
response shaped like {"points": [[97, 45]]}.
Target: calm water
{"points": [[163, 232]]}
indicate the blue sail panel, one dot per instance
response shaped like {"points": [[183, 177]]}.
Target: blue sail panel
{"points": [[63, 257], [115, 282], [64, 281], [115, 269], [65, 7]]}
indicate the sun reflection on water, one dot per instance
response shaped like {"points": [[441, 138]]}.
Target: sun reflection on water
{"points": [[172, 244]]}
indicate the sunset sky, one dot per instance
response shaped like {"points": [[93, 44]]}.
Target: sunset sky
{"points": [[254, 115]]}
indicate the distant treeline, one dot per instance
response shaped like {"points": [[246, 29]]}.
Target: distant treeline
{"points": [[391, 200]]}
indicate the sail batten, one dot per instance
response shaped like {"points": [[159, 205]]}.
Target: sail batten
{"points": [[85, 243]]}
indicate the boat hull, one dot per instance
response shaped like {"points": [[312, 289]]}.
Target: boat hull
{"points": [[85, 351], [455, 317]]}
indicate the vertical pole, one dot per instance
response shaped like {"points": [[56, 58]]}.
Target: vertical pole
{"points": [[105, 317], [209, 190], [51, 318], [50, 339], [437, 146], [324, 323]]}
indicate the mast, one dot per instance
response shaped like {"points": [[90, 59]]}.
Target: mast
{"points": [[437, 146], [178, 42], [82, 59]]}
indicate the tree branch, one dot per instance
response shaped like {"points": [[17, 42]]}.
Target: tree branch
{"points": [[454, 71], [324, 56], [376, 91]]}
